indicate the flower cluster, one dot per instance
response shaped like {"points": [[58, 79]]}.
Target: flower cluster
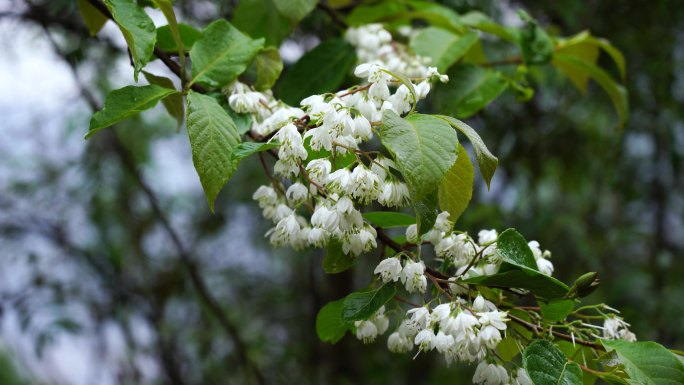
{"points": [[615, 328]]}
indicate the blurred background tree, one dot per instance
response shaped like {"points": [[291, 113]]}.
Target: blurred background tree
{"points": [[115, 272]]}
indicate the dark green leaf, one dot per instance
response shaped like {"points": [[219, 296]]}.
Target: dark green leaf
{"points": [[126, 102], [166, 6], [556, 310], [616, 92], [295, 10], [174, 102], [260, 18], [470, 89], [535, 43], [546, 365], [320, 70], [443, 47], [423, 147], [389, 219], [93, 19], [485, 160], [484, 23], [137, 28], [269, 66], [513, 248], [508, 348], [246, 149], [362, 305], [456, 189], [426, 212], [437, 15], [648, 363], [188, 35], [221, 54], [335, 260], [213, 138], [329, 324]]}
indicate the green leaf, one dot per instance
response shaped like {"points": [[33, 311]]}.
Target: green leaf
{"points": [[443, 47], [546, 365], [616, 92], [365, 14], [246, 149], [426, 212], [389, 219], [166, 6], [423, 147], [470, 89], [437, 15], [403, 79], [338, 161], [221, 54], [335, 260], [535, 43], [556, 310], [330, 326], [269, 66], [243, 121], [174, 102], [519, 269], [648, 363], [456, 189], [295, 10], [188, 35], [484, 23], [137, 28], [577, 46], [126, 102], [485, 160], [508, 348], [93, 19], [260, 18], [320, 70], [585, 42], [213, 138], [362, 305]]}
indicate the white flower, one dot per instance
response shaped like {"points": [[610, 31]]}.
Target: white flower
{"points": [[297, 193], [402, 99], [397, 343], [364, 184], [464, 323], [366, 331], [247, 102], [545, 266], [266, 196], [412, 276], [379, 93], [442, 223], [422, 89], [521, 378], [325, 218], [394, 194], [495, 318], [536, 250], [490, 374], [490, 336], [424, 339], [412, 234], [362, 128], [480, 304], [360, 242], [419, 319], [486, 236], [366, 107], [339, 181], [615, 328], [318, 237], [441, 312], [389, 269], [321, 137], [318, 170], [286, 167], [443, 342]]}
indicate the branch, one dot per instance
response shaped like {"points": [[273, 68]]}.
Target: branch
{"points": [[536, 330]]}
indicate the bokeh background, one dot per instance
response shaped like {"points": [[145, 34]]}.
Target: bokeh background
{"points": [[102, 242]]}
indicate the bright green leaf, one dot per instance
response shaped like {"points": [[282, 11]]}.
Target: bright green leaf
{"points": [[389, 219], [246, 149], [243, 121], [126, 102], [213, 138], [137, 28], [556, 310], [338, 161], [329, 324], [535, 43], [456, 189], [546, 365], [261, 18], [188, 35], [174, 102], [508, 348], [423, 147], [221, 54], [365, 14], [93, 19], [269, 66], [470, 89], [485, 160], [362, 305], [335, 260], [320, 70], [443, 47], [648, 363], [295, 10]]}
